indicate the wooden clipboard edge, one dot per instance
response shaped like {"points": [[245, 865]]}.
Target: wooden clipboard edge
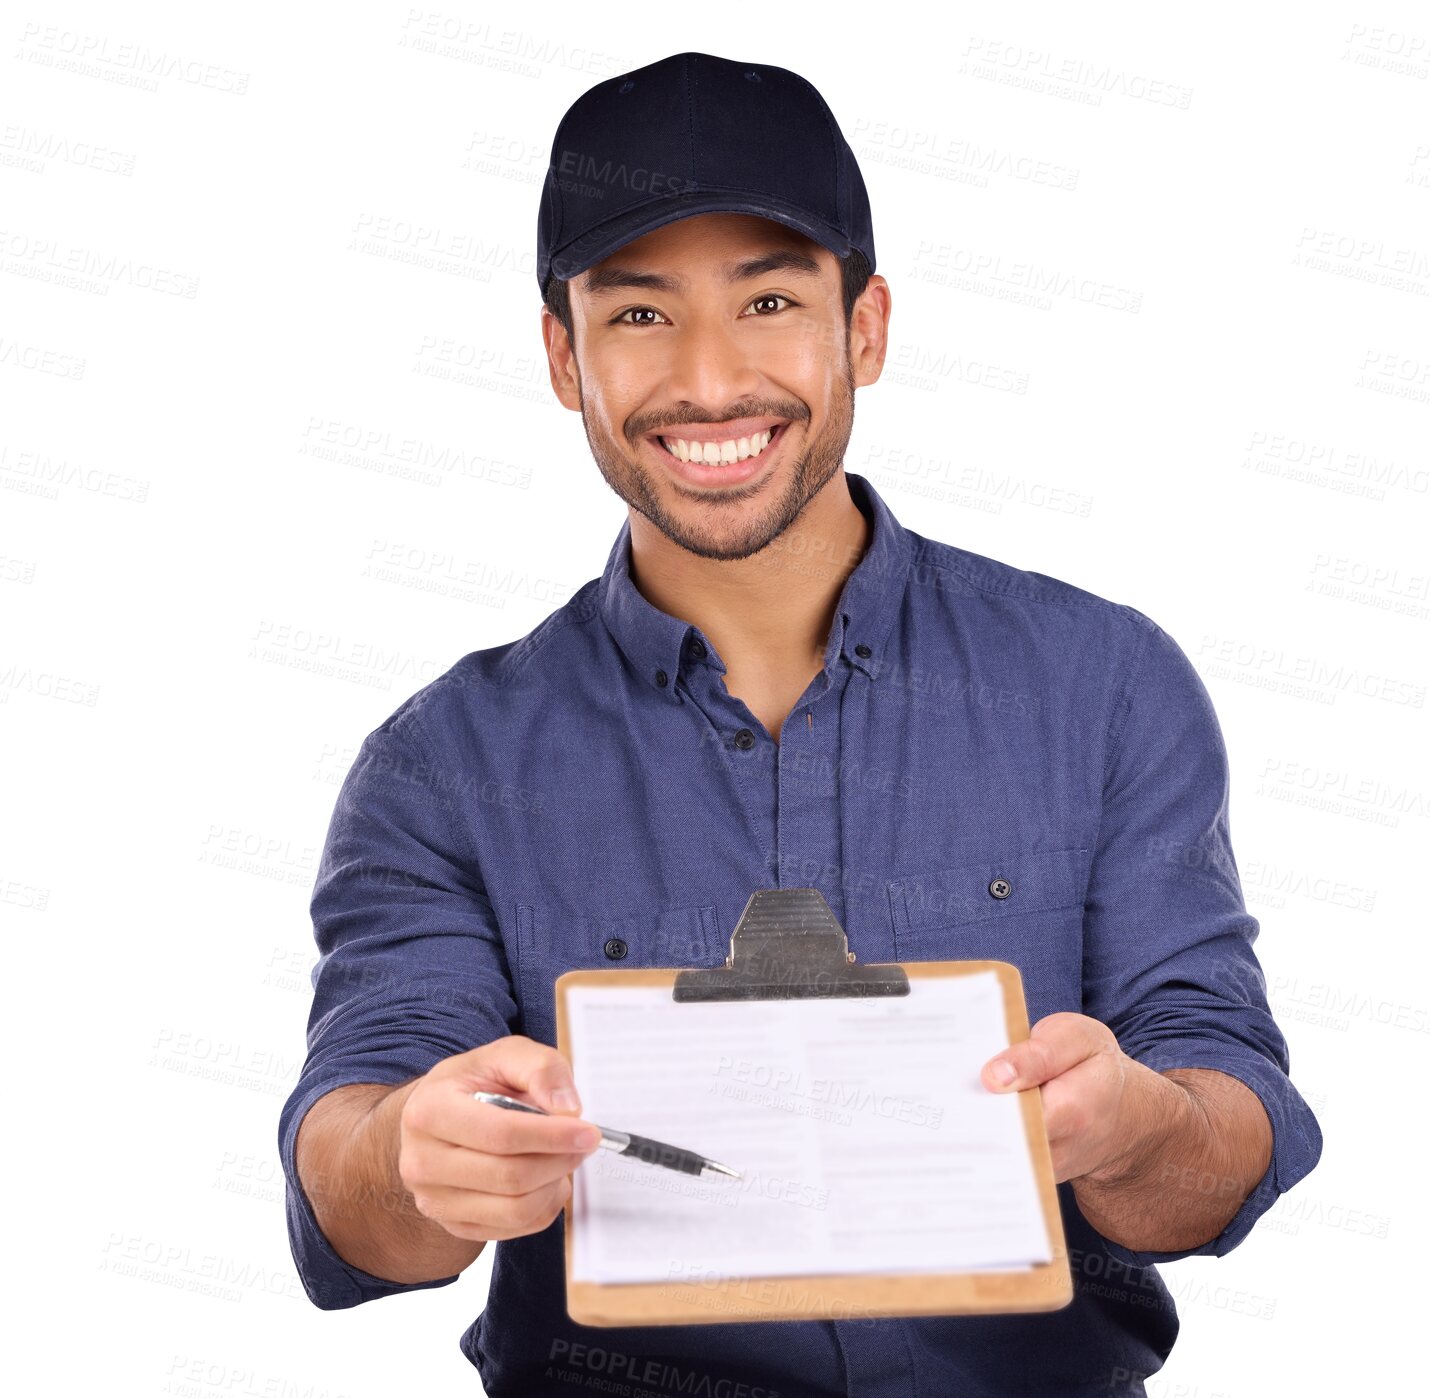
{"points": [[835, 1296]]}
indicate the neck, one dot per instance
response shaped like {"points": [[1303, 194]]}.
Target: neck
{"points": [[773, 609]]}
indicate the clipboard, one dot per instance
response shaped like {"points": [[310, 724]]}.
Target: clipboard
{"points": [[788, 944]]}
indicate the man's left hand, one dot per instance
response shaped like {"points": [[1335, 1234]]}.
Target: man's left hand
{"points": [[1093, 1093]]}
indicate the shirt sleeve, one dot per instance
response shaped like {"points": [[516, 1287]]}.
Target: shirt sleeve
{"points": [[1168, 963], [411, 970]]}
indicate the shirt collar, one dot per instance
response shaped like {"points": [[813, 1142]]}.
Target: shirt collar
{"points": [[658, 644]]}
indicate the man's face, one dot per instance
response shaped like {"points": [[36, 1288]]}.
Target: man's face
{"points": [[721, 326]]}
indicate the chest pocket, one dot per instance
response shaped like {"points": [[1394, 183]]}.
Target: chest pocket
{"points": [[1025, 908], [553, 940]]}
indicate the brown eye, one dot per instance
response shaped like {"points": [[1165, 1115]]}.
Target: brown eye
{"points": [[766, 300], [635, 311]]}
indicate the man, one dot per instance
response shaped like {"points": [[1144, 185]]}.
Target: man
{"points": [[775, 684]]}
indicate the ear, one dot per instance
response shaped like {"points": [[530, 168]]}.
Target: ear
{"points": [[869, 331], [561, 361]]}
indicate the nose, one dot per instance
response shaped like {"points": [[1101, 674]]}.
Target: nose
{"points": [[710, 364]]}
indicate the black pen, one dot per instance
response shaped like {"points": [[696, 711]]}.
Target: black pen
{"points": [[640, 1147]]}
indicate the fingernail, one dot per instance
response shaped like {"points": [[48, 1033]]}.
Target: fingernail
{"points": [[588, 1138], [1004, 1072], [564, 1100]]}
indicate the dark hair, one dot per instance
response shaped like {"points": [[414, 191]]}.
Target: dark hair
{"points": [[853, 276]]}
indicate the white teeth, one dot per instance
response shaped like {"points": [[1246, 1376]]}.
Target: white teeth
{"points": [[719, 453]]}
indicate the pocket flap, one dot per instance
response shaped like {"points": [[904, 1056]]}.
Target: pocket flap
{"points": [[1000, 886], [551, 941]]}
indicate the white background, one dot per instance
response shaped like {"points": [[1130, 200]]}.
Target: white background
{"points": [[1219, 414]]}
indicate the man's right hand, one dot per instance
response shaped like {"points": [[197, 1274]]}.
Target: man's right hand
{"points": [[484, 1172]]}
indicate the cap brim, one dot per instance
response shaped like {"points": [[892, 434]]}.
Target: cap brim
{"points": [[601, 241]]}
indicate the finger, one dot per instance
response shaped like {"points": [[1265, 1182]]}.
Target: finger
{"points": [[448, 1112], [437, 1164], [493, 1217], [1058, 1043], [522, 1068]]}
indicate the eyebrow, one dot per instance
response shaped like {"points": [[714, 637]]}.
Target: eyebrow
{"points": [[603, 279]]}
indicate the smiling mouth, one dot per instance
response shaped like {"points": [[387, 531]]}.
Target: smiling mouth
{"points": [[723, 453]]}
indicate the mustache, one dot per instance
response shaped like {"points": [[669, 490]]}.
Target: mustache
{"points": [[789, 412]]}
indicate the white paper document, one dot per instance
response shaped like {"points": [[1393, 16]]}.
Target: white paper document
{"points": [[865, 1139]]}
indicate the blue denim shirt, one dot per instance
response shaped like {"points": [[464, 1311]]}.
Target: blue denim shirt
{"points": [[593, 787]]}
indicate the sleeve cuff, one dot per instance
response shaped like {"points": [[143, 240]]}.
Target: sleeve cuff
{"points": [[331, 1283], [1295, 1139]]}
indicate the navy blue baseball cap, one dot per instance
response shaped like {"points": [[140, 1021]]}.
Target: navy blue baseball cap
{"points": [[696, 134]]}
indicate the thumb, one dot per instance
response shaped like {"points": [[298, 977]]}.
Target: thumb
{"points": [[555, 1089], [547, 1080], [522, 1067]]}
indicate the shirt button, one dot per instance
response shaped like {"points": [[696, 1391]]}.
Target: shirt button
{"points": [[862, 651], [697, 647], [744, 740], [661, 678], [1000, 888], [615, 949]]}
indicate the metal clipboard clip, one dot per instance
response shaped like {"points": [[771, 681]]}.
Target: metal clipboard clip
{"points": [[788, 945]]}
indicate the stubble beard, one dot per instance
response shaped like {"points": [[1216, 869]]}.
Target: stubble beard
{"points": [[699, 531]]}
